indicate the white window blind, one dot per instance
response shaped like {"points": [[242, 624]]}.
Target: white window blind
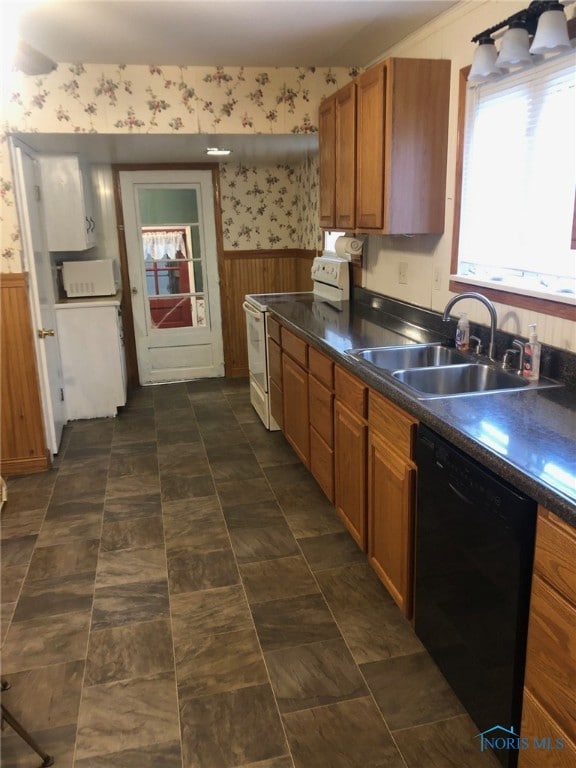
{"points": [[519, 180]]}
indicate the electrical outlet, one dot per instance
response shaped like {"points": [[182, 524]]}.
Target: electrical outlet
{"points": [[436, 278], [403, 273]]}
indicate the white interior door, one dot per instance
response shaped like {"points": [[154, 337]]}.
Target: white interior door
{"points": [[170, 233], [41, 292]]}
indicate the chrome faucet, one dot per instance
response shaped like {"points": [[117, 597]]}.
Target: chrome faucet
{"points": [[489, 306]]}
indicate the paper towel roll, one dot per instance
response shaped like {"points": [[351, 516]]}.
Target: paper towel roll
{"points": [[346, 247]]}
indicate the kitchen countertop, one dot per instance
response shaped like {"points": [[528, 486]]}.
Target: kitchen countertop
{"points": [[528, 437]]}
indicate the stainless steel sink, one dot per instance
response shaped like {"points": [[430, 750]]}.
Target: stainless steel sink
{"points": [[416, 356], [459, 380]]}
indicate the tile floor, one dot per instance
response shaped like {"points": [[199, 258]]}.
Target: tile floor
{"points": [[178, 593]]}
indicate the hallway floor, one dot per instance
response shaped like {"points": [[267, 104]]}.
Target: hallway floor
{"points": [[178, 593]]}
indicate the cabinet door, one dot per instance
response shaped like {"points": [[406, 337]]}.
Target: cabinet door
{"points": [[350, 471], [537, 724], [370, 154], [322, 464], [67, 200], [327, 155], [295, 406], [391, 483], [346, 157]]}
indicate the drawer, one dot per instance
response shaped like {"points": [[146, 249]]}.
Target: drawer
{"points": [[551, 654], [350, 391], [537, 724], [273, 328], [392, 424], [295, 347], [275, 363], [321, 410], [321, 367], [555, 556]]}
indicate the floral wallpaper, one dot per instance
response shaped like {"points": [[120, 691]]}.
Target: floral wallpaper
{"points": [[270, 206], [93, 98]]}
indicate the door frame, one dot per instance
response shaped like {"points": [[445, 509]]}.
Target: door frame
{"points": [[126, 300]]}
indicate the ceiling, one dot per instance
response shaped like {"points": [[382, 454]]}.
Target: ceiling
{"points": [[279, 33], [272, 33]]}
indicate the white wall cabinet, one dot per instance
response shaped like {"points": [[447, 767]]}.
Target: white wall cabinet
{"points": [[68, 203], [93, 360]]}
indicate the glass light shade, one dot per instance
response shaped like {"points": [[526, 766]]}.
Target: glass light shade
{"points": [[484, 62], [551, 33], [515, 48]]}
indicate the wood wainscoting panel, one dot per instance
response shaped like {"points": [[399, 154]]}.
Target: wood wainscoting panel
{"points": [[260, 271], [23, 444]]}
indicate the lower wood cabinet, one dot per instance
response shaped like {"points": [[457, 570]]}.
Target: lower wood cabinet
{"points": [[391, 498], [549, 706], [391, 483], [322, 435], [295, 408], [350, 431]]}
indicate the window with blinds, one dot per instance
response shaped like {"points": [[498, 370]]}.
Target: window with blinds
{"points": [[519, 181]]}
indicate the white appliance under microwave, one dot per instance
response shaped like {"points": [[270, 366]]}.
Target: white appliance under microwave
{"points": [[96, 277]]}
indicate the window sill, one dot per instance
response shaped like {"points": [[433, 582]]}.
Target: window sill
{"points": [[563, 306]]}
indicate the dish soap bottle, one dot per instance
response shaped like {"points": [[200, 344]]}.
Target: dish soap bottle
{"points": [[463, 333], [531, 370]]}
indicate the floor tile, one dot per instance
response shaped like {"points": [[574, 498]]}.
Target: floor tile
{"points": [[12, 578], [129, 651], [237, 727], [142, 532], [70, 509], [293, 621], [78, 486], [18, 524], [49, 597], [217, 663], [124, 566], [253, 514], [17, 551], [348, 734], [209, 612], [165, 755], [6, 613], [185, 486], [445, 744], [145, 712], [410, 690], [279, 578], [69, 528], [331, 550], [131, 507], [370, 621], [235, 492], [277, 762], [57, 742], [132, 485], [313, 675], [189, 571], [307, 518], [46, 697], [45, 641], [64, 559], [196, 531], [254, 544], [130, 603]]}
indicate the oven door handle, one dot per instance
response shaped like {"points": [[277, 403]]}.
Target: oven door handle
{"points": [[460, 495], [249, 309]]}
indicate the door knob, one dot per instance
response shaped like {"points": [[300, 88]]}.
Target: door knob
{"points": [[43, 332], [134, 291]]}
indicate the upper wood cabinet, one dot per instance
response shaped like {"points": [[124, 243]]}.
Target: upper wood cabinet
{"points": [[396, 139], [337, 136], [68, 203]]}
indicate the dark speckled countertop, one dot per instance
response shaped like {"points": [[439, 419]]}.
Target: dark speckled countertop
{"points": [[527, 437]]}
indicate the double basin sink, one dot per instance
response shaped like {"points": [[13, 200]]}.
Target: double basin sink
{"points": [[430, 371]]}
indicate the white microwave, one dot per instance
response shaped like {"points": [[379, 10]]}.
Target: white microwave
{"points": [[97, 277]]}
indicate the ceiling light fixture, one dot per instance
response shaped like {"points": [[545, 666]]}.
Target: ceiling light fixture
{"points": [[31, 62], [543, 21], [216, 151]]}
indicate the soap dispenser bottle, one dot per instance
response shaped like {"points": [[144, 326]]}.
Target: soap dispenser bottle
{"points": [[531, 370], [463, 333]]}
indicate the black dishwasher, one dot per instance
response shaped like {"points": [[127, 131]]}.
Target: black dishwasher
{"points": [[474, 553]]}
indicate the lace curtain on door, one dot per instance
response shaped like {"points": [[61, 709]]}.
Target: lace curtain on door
{"points": [[164, 244]]}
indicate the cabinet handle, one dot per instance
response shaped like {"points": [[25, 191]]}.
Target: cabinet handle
{"points": [[43, 332], [93, 223], [87, 224]]}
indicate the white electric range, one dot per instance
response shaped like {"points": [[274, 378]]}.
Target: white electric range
{"points": [[331, 283]]}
